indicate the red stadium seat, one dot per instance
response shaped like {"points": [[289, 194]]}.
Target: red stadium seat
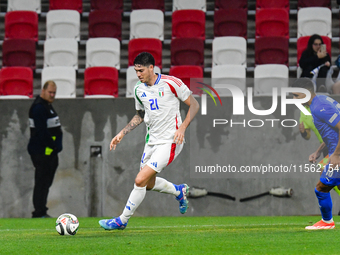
{"points": [[76, 5], [272, 4], [16, 81], [147, 4], [230, 22], [18, 52], [271, 50], [21, 24], [101, 80], [272, 22], [302, 43], [107, 5], [151, 45], [185, 73], [231, 4], [187, 51], [314, 3], [105, 24], [188, 23]]}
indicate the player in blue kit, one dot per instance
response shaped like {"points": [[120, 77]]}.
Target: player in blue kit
{"points": [[326, 116]]}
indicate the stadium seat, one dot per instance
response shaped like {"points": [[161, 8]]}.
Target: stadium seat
{"points": [[147, 4], [104, 23], [132, 79], [64, 77], [230, 22], [147, 24], [19, 52], [16, 81], [314, 20], [107, 5], [63, 24], [21, 24], [229, 50], [101, 80], [228, 74], [103, 52], [187, 51], [260, 4], [314, 3], [231, 4], [267, 77], [272, 22], [188, 24], [271, 50], [189, 4], [76, 5], [14, 97], [302, 43], [151, 45], [185, 73], [61, 52], [24, 5]]}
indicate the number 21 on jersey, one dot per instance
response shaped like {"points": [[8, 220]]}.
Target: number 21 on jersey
{"points": [[153, 104]]}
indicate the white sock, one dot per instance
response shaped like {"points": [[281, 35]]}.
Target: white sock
{"points": [[328, 221], [135, 199], [164, 186]]}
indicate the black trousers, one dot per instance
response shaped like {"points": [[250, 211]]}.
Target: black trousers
{"points": [[45, 168]]}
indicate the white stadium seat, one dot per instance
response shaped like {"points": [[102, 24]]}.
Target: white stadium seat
{"points": [[24, 5], [61, 52], [314, 20], [229, 50], [14, 97], [228, 74], [189, 4], [147, 23], [63, 24], [267, 77], [132, 79], [64, 77], [103, 52]]}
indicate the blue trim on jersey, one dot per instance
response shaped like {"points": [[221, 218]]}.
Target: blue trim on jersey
{"points": [[326, 114], [157, 81], [158, 78]]}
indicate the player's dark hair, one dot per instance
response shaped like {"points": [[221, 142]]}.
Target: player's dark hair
{"points": [[304, 83], [144, 59]]}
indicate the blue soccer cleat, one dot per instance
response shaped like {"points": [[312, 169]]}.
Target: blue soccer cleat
{"points": [[182, 198], [111, 224]]}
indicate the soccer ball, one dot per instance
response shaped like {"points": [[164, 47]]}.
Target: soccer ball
{"points": [[67, 224]]}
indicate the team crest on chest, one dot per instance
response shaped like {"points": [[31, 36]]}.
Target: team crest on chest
{"points": [[161, 92]]}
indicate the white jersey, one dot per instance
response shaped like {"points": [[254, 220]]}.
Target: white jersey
{"points": [[161, 105]]}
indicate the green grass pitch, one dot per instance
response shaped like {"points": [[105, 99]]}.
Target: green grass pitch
{"points": [[172, 235]]}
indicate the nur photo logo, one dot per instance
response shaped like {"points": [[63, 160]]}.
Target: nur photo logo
{"points": [[238, 98]]}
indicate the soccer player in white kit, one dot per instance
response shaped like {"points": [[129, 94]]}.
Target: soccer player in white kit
{"points": [[157, 104]]}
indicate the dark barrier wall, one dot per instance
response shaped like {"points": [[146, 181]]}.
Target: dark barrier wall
{"points": [[93, 181]]}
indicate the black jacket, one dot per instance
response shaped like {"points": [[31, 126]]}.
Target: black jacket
{"points": [[45, 128], [309, 62]]}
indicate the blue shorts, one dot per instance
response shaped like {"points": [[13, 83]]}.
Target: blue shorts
{"points": [[330, 176]]}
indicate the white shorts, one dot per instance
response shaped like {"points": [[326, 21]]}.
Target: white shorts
{"points": [[160, 155]]}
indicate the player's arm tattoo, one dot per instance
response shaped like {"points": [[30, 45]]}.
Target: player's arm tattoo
{"points": [[136, 120]]}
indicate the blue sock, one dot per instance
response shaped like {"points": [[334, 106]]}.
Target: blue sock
{"points": [[325, 204]]}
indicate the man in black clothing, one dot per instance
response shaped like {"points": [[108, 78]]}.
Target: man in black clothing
{"points": [[44, 145]]}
